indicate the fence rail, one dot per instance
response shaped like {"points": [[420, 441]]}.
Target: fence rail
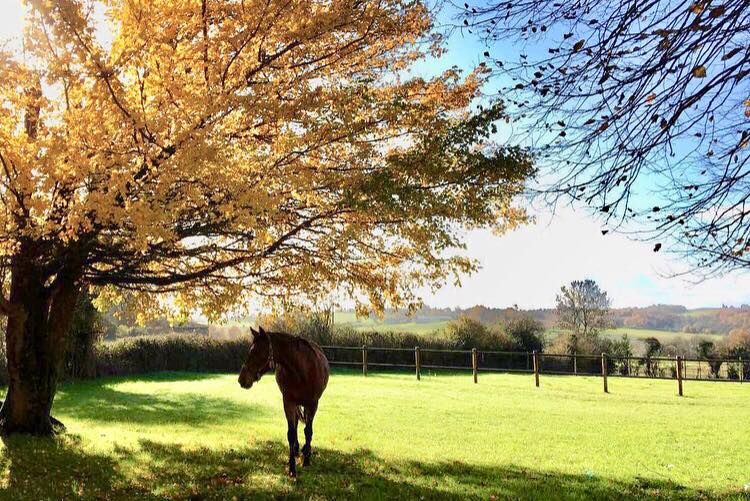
{"points": [[605, 366]]}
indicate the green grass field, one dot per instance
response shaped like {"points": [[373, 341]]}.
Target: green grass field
{"points": [[424, 328], [660, 335], [178, 436], [347, 318]]}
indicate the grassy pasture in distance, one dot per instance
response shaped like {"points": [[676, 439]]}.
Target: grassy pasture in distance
{"points": [[432, 327], [349, 319], [183, 436], [660, 335]]}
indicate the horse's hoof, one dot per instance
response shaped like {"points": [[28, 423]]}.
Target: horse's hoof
{"points": [[306, 461]]}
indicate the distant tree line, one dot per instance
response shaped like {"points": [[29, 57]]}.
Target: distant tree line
{"points": [[657, 317]]}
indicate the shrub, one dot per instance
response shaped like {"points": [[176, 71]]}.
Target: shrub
{"points": [[620, 350], [526, 333], [466, 334]]}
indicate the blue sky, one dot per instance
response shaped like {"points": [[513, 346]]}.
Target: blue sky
{"points": [[527, 266]]}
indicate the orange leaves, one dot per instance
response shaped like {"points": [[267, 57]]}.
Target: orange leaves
{"points": [[304, 161], [699, 72], [697, 8]]}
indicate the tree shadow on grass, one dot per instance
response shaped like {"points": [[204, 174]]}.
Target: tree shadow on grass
{"points": [[60, 468], [258, 472], [101, 401], [37, 468]]}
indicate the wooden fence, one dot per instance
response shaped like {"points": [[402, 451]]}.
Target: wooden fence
{"points": [[419, 359]]}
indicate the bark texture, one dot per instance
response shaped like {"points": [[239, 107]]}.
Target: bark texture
{"points": [[39, 320]]}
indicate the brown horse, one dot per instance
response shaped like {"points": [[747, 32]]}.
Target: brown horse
{"points": [[302, 376]]}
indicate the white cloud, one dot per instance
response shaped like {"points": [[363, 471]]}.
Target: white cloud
{"points": [[528, 266]]}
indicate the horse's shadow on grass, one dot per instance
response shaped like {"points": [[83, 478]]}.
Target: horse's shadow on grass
{"points": [[60, 469]]}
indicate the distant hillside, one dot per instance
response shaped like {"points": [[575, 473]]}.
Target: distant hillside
{"points": [[672, 318]]}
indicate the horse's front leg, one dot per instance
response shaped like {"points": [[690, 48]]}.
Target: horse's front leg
{"points": [[310, 411], [290, 410]]}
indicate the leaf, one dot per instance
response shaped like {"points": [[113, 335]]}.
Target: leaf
{"points": [[697, 8], [578, 45], [717, 12], [657, 247], [699, 72], [604, 232], [650, 98]]}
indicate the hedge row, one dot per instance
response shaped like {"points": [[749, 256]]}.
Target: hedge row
{"points": [[200, 353], [187, 353]]}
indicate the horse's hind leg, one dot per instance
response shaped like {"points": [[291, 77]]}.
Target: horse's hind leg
{"points": [[290, 410], [310, 411]]}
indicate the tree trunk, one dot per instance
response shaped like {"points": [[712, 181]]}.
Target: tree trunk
{"points": [[38, 324]]}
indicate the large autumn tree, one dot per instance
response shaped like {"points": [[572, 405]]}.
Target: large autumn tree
{"points": [[216, 150]]}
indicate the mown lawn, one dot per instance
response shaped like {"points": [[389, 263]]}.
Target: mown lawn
{"points": [[189, 436]]}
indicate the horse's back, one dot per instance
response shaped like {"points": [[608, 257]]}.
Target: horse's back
{"points": [[306, 382]]}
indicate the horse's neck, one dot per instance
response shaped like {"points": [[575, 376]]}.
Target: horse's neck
{"points": [[282, 352]]}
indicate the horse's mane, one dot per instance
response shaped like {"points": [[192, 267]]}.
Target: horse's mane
{"points": [[297, 340]]}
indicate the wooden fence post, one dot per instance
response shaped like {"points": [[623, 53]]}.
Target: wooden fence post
{"points": [[679, 375], [575, 362], [417, 363], [604, 372], [474, 364], [536, 368], [364, 360]]}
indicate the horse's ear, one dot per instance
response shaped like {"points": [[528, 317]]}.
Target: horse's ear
{"points": [[261, 331], [254, 332]]}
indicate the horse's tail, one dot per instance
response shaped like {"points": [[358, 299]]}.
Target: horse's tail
{"points": [[301, 414]]}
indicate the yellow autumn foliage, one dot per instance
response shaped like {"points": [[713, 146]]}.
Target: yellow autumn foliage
{"points": [[221, 150]]}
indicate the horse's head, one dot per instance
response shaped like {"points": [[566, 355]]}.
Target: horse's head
{"points": [[258, 360]]}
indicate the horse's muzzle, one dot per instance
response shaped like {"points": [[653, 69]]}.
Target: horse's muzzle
{"points": [[245, 384]]}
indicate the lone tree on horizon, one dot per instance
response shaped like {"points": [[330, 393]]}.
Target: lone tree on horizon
{"points": [[583, 309], [214, 151], [641, 111]]}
